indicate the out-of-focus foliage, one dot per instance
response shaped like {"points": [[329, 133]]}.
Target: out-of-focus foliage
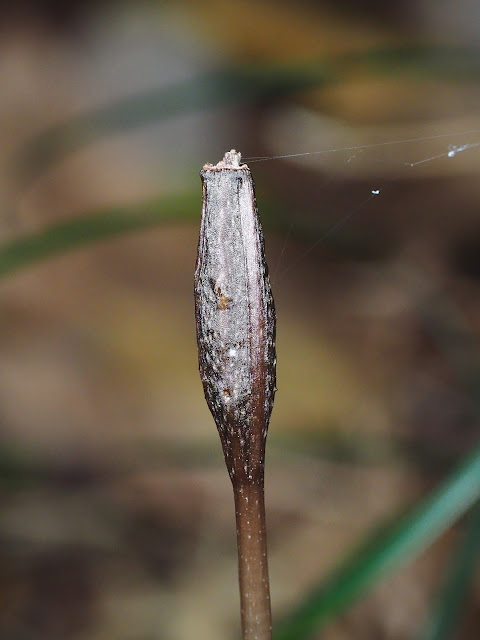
{"points": [[99, 361]]}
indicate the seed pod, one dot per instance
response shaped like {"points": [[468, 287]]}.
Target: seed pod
{"points": [[235, 316]]}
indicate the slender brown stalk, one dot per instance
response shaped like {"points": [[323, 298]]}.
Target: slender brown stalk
{"points": [[252, 562], [235, 317]]}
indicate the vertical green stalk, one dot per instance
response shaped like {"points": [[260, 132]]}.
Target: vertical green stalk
{"points": [[450, 603]]}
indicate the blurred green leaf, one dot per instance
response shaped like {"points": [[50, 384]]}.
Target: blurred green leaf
{"points": [[239, 86], [385, 551], [213, 90], [449, 606], [62, 237], [444, 62], [93, 227], [420, 527]]}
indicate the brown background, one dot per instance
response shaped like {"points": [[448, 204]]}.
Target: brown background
{"points": [[117, 514]]}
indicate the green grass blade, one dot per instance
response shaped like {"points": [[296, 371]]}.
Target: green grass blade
{"points": [[420, 527], [234, 86], [212, 90], [449, 606], [453, 336], [443, 62], [93, 227], [385, 551], [65, 236]]}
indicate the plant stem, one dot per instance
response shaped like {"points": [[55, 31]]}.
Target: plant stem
{"points": [[235, 318], [252, 560]]}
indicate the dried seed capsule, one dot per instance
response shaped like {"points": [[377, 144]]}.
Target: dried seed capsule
{"points": [[235, 316]]}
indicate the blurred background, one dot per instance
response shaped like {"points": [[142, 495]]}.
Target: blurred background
{"points": [[117, 516]]}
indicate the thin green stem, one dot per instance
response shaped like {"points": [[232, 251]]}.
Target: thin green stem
{"points": [[446, 615]]}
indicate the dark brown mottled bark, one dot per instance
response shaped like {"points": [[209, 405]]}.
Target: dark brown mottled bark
{"points": [[235, 317]]}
